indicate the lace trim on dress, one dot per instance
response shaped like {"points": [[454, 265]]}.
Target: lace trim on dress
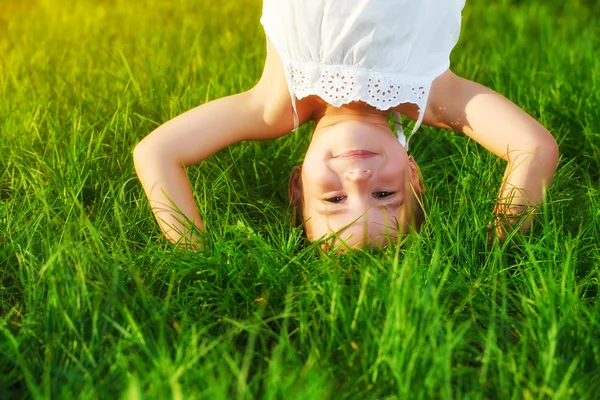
{"points": [[340, 84]]}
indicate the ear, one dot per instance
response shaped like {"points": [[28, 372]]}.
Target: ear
{"points": [[416, 176]]}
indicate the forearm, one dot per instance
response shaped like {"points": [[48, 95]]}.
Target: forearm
{"points": [[170, 196], [505, 130], [160, 159], [264, 112], [526, 179]]}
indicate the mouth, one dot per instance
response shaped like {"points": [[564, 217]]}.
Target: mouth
{"points": [[356, 154]]}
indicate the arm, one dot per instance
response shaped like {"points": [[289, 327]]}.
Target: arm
{"points": [[160, 159], [505, 130]]}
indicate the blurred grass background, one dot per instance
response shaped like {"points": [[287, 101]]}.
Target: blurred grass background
{"points": [[95, 304]]}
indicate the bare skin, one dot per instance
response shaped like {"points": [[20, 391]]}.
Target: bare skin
{"points": [[357, 181], [504, 129], [265, 112]]}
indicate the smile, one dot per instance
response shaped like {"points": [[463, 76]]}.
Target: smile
{"points": [[356, 154]]}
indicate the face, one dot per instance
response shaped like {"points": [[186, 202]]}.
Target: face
{"points": [[358, 184]]}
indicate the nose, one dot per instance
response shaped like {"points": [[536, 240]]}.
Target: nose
{"points": [[358, 175]]}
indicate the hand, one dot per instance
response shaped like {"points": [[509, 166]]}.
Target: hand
{"points": [[509, 218]]}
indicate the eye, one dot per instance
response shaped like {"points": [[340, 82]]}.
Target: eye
{"points": [[382, 195], [335, 199]]}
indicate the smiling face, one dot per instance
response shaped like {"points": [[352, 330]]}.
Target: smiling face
{"points": [[358, 184]]}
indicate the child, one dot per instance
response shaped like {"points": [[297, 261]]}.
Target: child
{"points": [[347, 67]]}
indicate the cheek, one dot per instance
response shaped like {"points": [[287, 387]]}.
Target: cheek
{"points": [[394, 174], [318, 177], [385, 222]]}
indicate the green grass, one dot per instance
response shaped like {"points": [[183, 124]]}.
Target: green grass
{"points": [[95, 304]]}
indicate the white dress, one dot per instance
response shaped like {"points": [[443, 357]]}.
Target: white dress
{"points": [[381, 52]]}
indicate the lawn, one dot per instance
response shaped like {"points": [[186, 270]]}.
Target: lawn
{"points": [[94, 303]]}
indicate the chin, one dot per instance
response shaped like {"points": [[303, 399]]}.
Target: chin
{"points": [[354, 134]]}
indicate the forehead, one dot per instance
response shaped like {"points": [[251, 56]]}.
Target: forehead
{"points": [[373, 226]]}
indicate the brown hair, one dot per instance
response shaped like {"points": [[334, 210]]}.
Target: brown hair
{"points": [[296, 196], [417, 212]]}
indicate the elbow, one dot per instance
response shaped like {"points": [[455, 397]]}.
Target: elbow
{"points": [[548, 151], [540, 154], [153, 157], [146, 155], [140, 155], [540, 148]]}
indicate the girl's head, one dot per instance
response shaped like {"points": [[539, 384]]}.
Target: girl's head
{"points": [[357, 184]]}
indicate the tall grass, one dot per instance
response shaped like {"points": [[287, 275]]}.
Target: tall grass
{"points": [[94, 303]]}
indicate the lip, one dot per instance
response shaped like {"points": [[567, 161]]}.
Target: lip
{"points": [[356, 154]]}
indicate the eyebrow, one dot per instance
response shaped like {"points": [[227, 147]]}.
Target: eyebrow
{"points": [[386, 207], [337, 211], [393, 206]]}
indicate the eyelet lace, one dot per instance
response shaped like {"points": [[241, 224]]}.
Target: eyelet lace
{"points": [[339, 85]]}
